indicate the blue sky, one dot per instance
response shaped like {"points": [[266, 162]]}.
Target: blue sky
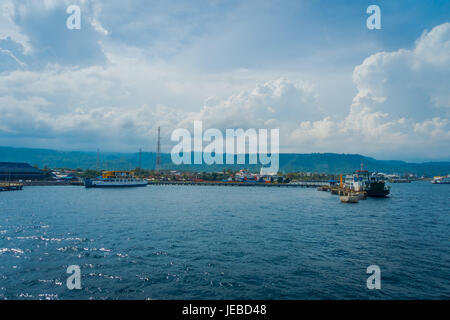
{"points": [[310, 68]]}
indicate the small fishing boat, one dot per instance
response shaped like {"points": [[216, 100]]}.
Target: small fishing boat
{"points": [[349, 198]]}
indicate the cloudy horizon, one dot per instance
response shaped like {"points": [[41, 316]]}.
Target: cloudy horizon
{"points": [[310, 68]]}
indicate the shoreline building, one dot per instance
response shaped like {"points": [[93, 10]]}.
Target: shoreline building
{"points": [[20, 171]]}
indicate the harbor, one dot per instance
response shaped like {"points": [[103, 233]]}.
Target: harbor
{"points": [[358, 186], [349, 187]]}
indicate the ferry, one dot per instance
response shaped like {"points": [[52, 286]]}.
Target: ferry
{"points": [[441, 180], [373, 184], [115, 179]]}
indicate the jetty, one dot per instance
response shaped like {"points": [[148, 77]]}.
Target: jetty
{"points": [[297, 184], [7, 186], [45, 183]]}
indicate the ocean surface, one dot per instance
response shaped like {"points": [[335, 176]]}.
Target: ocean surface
{"points": [[201, 242]]}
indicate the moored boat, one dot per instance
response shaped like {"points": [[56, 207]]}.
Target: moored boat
{"points": [[372, 184], [115, 179], [441, 180], [349, 198], [377, 188]]}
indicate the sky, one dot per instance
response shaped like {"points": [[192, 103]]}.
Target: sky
{"points": [[310, 68]]}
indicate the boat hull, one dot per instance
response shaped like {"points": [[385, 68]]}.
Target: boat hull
{"points": [[377, 190], [349, 198], [114, 184]]}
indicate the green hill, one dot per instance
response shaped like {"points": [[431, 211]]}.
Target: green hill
{"points": [[289, 162]]}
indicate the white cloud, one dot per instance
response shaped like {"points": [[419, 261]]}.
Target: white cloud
{"points": [[276, 103], [436, 128], [408, 83], [402, 104], [8, 28], [95, 19], [10, 54]]}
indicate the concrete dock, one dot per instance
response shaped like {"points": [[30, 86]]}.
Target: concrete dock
{"points": [[303, 184]]}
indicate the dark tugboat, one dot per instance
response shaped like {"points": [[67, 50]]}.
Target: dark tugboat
{"points": [[376, 187]]}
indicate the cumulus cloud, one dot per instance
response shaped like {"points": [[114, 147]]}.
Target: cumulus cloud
{"points": [[108, 106], [275, 103], [402, 103], [408, 83], [401, 107]]}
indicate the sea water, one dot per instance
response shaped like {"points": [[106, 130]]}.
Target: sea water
{"points": [[214, 242]]}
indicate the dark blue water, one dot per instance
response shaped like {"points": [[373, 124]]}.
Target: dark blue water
{"points": [[189, 242]]}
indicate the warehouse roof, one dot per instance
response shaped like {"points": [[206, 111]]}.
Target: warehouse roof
{"points": [[12, 167]]}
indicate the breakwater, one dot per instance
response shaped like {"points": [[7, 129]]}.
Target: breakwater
{"points": [[303, 184], [53, 183]]}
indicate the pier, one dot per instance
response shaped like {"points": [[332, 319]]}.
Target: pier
{"points": [[53, 183], [302, 184], [10, 186]]}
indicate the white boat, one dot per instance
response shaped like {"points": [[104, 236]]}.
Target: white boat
{"points": [[441, 180], [115, 179], [355, 182]]}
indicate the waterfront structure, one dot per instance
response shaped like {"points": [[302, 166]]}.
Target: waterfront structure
{"points": [[14, 171], [64, 175]]}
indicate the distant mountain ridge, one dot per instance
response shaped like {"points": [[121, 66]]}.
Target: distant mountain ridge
{"points": [[289, 162]]}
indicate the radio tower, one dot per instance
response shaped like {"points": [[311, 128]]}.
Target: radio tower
{"points": [[140, 159], [158, 152]]}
